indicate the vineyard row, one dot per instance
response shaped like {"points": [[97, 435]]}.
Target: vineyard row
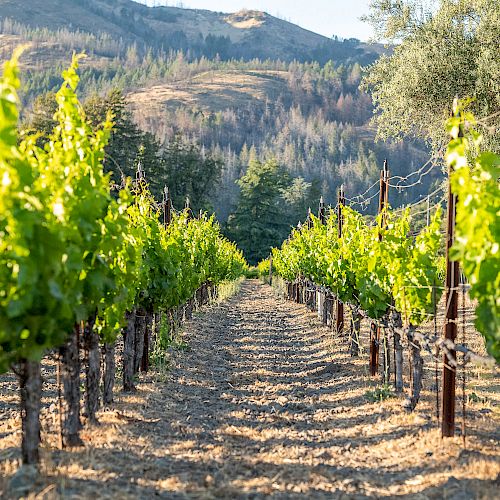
{"points": [[396, 279], [82, 261]]}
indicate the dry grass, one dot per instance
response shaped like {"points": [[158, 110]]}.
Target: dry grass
{"points": [[41, 55], [248, 412], [210, 91]]}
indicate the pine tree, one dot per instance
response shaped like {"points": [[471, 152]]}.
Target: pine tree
{"points": [[260, 220], [127, 141], [189, 172]]}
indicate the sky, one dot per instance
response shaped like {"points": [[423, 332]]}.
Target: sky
{"points": [[327, 17]]}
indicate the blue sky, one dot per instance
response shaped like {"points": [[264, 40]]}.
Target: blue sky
{"points": [[328, 17]]}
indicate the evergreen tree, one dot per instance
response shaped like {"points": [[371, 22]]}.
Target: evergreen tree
{"points": [[260, 219], [189, 171], [299, 196], [41, 119], [128, 143]]}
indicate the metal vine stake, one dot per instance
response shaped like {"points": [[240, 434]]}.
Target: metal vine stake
{"points": [[450, 324], [464, 373]]}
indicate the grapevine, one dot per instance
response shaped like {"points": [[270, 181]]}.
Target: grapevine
{"points": [[74, 252], [475, 180]]}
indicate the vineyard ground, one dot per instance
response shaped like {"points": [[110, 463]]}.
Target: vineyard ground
{"points": [[263, 401]]}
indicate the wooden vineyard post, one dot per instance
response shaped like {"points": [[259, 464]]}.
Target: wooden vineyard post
{"points": [[30, 381], [374, 336], [131, 359], [151, 333], [139, 174], [167, 207], [93, 368], [69, 353], [340, 220], [450, 323], [322, 294], [375, 329], [144, 366], [322, 211], [318, 300], [271, 269], [148, 331], [188, 208], [428, 211]]}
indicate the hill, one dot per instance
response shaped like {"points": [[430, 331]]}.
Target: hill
{"points": [[245, 34], [211, 91], [244, 86], [314, 120]]}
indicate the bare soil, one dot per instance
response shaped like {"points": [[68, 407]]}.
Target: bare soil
{"points": [[263, 401]]}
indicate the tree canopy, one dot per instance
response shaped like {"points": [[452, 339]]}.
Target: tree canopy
{"points": [[258, 222], [270, 203], [189, 172], [445, 48]]}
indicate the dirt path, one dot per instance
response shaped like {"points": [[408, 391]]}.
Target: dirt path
{"points": [[248, 411]]}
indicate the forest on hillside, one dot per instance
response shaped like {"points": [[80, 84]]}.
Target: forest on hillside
{"points": [[313, 122], [166, 29]]}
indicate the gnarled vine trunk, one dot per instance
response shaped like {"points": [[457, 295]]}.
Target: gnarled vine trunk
{"points": [[417, 370], [327, 308], [386, 360], [188, 313], [109, 373], [171, 325], [155, 331], [128, 352], [309, 296], [140, 328], [199, 298], [31, 392], [313, 299], [147, 341], [355, 330], [396, 325], [93, 370], [374, 348], [70, 379]]}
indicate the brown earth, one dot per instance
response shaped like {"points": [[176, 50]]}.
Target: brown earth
{"points": [[263, 401]]}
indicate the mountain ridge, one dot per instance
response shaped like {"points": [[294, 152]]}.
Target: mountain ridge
{"points": [[244, 34], [236, 101]]}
